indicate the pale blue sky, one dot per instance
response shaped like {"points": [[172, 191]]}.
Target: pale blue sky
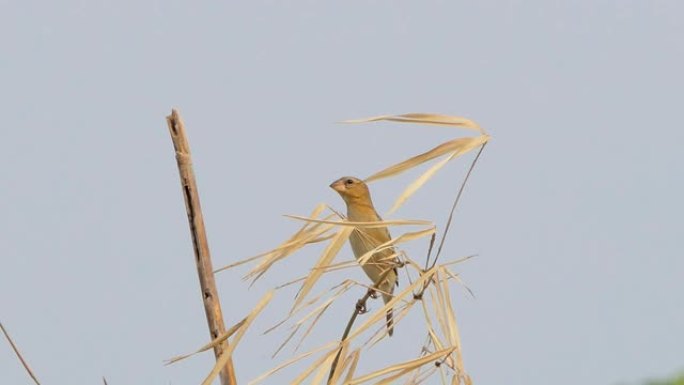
{"points": [[575, 208]]}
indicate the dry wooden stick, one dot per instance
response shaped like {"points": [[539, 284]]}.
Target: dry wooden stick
{"points": [[212, 305], [16, 351]]}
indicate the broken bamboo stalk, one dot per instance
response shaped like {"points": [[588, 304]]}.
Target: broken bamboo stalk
{"points": [[212, 304]]}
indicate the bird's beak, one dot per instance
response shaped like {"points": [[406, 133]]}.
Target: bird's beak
{"points": [[337, 185]]}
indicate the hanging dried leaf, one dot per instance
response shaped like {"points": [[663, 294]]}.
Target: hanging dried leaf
{"points": [[460, 145], [217, 341]]}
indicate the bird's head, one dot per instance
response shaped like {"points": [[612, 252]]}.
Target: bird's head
{"points": [[351, 189]]}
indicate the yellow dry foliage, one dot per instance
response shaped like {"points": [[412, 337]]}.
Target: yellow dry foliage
{"points": [[430, 288]]}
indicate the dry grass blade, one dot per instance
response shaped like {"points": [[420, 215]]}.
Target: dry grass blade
{"points": [[316, 298], [460, 260], [417, 374], [460, 145], [316, 313], [335, 361], [326, 258], [354, 364], [319, 313], [340, 265], [348, 360], [431, 330], [404, 366], [341, 367], [303, 240], [391, 379], [340, 287], [332, 267], [21, 359], [310, 240], [439, 345], [284, 343], [228, 353], [425, 376], [413, 380], [286, 284], [290, 362], [438, 310], [396, 222], [423, 118], [433, 338], [454, 337], [399, 314], [443, 303], [458, 279], [293, 240], [310, 233], [307, 372], [310, 302], [323, 369], [442, 375], [457, 379], [217, 341], [418, 183]]}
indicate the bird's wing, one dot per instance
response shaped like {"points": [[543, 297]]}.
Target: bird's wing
{"points": [[387, 236], [374, 237]]}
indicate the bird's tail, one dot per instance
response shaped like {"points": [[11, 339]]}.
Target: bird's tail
{"points": [[390, 315], [390, 322]]}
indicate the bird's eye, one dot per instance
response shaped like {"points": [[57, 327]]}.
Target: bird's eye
{"points": [[349, 181]]}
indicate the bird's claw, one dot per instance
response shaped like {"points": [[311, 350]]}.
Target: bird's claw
{"points": [[361, 307], [374, 294]]}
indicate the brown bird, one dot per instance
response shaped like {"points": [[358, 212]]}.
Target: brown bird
{"points": [[362, 240]]}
